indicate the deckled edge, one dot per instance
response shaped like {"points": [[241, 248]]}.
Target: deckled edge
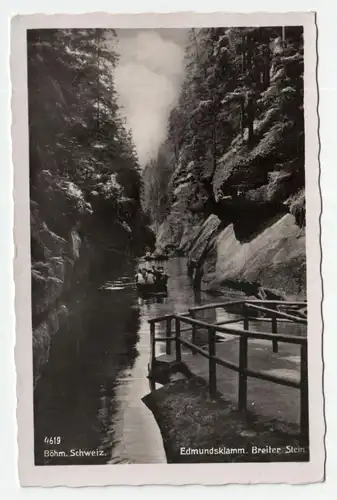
{"points": [[19, 24]]}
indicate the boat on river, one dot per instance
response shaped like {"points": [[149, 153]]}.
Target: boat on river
{"points": [[149, 289], [151, 283]]}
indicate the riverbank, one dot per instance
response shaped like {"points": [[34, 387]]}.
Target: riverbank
{"points": [[197, 429]]}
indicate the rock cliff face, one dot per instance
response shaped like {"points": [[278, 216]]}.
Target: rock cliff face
{"points": [[180, 227], [274, 259], [58, 265], [238, 185], [65, 268], [244, 235], [85, 181]]}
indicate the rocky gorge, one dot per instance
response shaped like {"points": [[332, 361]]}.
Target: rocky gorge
{"points": [[235, 199], [85, 182]]}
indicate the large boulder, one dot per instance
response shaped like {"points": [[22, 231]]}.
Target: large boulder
{"points": [[274, 259]]}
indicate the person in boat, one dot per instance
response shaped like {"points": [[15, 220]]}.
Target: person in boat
{"points": [[158, 275], [140, 277], [163, 276], [150, 278]]}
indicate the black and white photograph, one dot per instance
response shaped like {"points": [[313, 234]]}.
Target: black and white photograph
{"points": [[168, 252]]}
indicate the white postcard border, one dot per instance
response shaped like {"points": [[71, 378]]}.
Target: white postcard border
{"points": [[179, 474]]}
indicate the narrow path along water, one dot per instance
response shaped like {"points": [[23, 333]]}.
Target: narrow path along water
{"points": [[89, 394], [139, 439]]}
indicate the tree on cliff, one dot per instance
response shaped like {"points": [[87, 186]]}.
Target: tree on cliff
{"points": [[77, 135], [157, 193], [84, 171], [238, 125]]}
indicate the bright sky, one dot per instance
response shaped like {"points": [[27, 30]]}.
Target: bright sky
{"points": [[147, 80]]}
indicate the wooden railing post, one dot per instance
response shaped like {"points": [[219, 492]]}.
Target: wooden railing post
{"points": [[243, 362], [153, 345], [304, 418], [212, 361], [274, 330], [168, 335], [178, 344], [194, 330], [245, 317]]}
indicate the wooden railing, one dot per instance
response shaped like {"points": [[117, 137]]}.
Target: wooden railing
{"points": [[244, 335]]}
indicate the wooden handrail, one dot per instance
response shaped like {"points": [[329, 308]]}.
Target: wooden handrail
{"points": [[247, 371], [229, 321], [218, 323], [216, 305], [262, 375], [291, 339], [244, 335], [252, 301], [164, 339], [278, 302], [275, 312], [194, 347], [223, 304], [197, 322], [158, 319], [268, 320]]}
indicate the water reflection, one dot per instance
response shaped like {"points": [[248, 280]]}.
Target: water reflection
{"points": [[90, 392]]}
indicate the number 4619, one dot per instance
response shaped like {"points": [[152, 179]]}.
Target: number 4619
{"points": [[52, 440]]}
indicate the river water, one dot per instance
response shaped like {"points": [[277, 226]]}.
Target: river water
{"points": [[89, 395]]}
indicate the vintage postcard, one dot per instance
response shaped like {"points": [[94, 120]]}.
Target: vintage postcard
{"points": [[167, 268]]}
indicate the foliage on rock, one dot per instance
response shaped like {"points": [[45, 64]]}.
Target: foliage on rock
{"points": [[238, 127], [84, 172]]}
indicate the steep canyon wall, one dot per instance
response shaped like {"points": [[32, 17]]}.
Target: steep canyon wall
{"points": [[236, 196]]}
